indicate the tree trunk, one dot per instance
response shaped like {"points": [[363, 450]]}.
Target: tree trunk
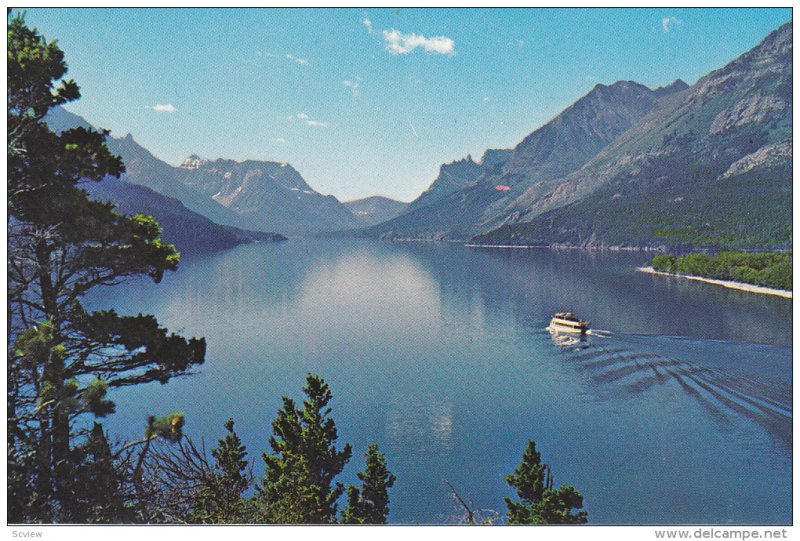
{"points": [[57, 452]]}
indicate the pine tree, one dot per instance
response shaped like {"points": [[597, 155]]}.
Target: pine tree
{"points": [[61, 245], [298, 485], [540, 502], [96, 488], [370, 504], [220, 497]]}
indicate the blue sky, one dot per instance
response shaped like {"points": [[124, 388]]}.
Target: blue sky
{"points": [[371, 101]]}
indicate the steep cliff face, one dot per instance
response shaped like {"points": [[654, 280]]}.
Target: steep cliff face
{"points": [[142, 168], [452, 177]]}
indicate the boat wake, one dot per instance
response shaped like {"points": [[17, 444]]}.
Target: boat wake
{"points": [[721, 394], [599, 333]]}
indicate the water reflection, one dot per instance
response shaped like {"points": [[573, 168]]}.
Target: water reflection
{"points": [[531, 285], [426, 424], [438, 353]]}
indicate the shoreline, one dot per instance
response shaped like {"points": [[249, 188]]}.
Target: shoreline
{"points": [[740, 286], [503, 246], [600, 248]]}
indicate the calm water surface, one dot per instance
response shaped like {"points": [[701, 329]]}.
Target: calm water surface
{"points": [[679, 412]]}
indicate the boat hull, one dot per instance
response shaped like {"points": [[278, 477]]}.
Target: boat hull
{"points": [[568, 326]]}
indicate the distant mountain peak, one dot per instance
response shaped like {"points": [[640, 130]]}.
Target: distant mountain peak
{"points": [[375, 209], [677, 85], [466, 160], [616, 86], [193, 162]]}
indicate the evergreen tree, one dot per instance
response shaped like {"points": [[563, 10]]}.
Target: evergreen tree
{"points": [[370, 505], [220, 497], [298, 485], [540, 502], [61, 245], [96, 488]]}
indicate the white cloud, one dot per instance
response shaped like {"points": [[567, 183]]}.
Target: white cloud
{"points": [[279, 140], [293, 58], [486, 98], [309, 122], [399, 43], [520, 43], [668, 23], [368, 24], [162, 108]]}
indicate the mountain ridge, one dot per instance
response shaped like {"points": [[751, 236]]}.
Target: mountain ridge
{"points": [[563, 144], [375, 209], [266, 195], [256, 195], [729, 134], [190, 231]]}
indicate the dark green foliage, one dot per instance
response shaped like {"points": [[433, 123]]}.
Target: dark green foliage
{"points": [[752, 210], [370, 505], [61, 245], [95, 492], [23, 504], [298, 486], [769, 269], [169, 427], [540, 502], [220, 496], [663, 263]]}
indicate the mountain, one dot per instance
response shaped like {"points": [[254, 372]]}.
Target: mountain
{"points": [[376, 209], [142, 168], [252, 195], [452, 177], [458, 175], [480, 196], [189, 231], [711, 165], [266, 195]]}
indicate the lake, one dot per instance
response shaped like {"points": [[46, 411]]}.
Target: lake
{"points": [[678, 411]]}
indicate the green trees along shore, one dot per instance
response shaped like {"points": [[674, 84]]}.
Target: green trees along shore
{"points": [[64, 360], [768, 269]]}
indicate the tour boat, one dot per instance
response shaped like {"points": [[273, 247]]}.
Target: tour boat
{"points": [[568, 322]]}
